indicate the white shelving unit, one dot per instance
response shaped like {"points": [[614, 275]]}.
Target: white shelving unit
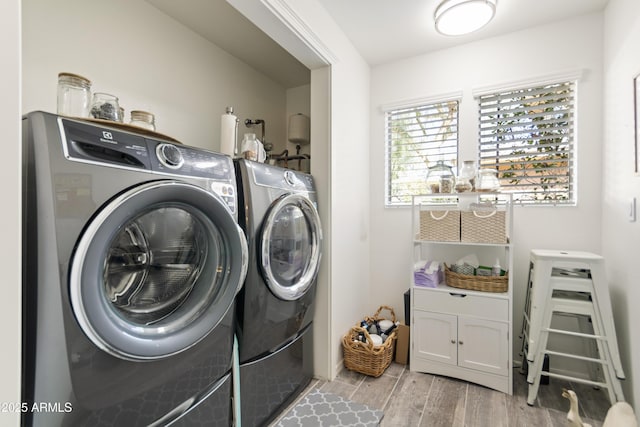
{"points": [[455, 332]]}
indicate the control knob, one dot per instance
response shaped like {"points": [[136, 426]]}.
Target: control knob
{"points": [[290, 178], [170, 156]]}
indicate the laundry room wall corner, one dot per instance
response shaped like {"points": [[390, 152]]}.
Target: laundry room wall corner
{"points": [[10, 304], [320, 153], [340, 162]]}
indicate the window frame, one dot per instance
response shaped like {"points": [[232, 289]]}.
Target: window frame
{"points": [[555, 129], [422, 104]]}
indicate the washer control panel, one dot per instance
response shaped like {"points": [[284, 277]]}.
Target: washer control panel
{"points": [[90, 143], [177, 159]]}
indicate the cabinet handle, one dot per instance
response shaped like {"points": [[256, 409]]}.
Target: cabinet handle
{"points": [[453, 341], [453, 294], [460, 342]]}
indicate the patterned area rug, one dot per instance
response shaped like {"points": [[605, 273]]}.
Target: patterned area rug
{"points": [[321, 409]]}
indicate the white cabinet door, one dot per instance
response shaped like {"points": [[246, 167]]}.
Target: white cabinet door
{"points": [[482, 345], [435, 337]]}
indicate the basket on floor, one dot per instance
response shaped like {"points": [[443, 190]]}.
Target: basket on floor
{"points": [[378, 316], [365, 357], [476, 283]]}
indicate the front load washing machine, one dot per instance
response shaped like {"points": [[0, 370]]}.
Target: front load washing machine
{"points": [[275, 306], [132, 261]]}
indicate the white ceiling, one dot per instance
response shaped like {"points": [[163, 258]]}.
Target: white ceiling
{"points": [[221, 24], [388, 30], [381, 30]]}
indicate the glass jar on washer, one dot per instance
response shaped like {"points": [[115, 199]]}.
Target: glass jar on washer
{"points": [[74, 95], [143, 119]]}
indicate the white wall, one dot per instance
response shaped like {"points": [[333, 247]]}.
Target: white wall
{"points": [[149, 61], [347, 178], [537, 52], [10, 251], [620, 241], [340, 163], [351, 285]]}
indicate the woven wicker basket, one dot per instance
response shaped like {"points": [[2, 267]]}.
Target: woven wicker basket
{"points": [[365, 357], [440, 225], [476, 283], [483, 227]]}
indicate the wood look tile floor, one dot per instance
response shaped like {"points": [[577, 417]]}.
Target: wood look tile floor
{"points": [[412, 399]]}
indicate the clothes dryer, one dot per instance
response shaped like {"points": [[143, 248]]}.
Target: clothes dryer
{"points": [[132, 261], [275, 306]]}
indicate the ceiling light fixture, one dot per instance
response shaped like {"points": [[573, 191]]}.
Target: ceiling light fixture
{"points": [[458, 17]]}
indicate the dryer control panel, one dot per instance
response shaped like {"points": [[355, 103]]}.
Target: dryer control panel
{"points": [[277, 177]]}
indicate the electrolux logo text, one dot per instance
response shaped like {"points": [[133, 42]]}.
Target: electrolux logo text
{"points": [[108, 137]]}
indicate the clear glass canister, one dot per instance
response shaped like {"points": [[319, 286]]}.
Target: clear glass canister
{"points": [[487, 180], [468, 174], [249, 147], [74, 95], [105, 107], [143, 119], [440, 178], [463, 185]]}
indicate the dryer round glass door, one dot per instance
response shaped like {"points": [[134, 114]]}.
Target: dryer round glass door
{"points": [[156, 270], [290, 246]]}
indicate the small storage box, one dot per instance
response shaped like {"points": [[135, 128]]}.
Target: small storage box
{"points": [[484, 226], [402, 345], [440, 225], [429, 275]]}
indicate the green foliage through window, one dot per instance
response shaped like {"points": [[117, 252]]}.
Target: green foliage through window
{"points": [[528, 136], [416, 138]]}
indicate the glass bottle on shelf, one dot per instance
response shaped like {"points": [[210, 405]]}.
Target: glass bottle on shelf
{"points": [[463, 185], [440, 178], [467, 175], [487, 180], [249, 147]]}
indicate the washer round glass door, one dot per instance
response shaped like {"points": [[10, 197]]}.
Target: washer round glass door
{"points": [[156, 270], [290, 244]]}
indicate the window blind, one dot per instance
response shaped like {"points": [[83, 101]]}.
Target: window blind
{"points": [[416, 138], [527, 135]]}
